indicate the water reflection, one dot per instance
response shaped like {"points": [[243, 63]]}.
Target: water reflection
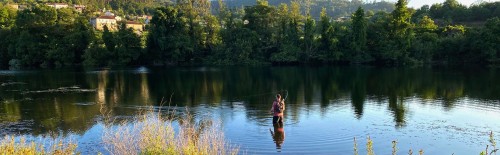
{"points": [[252, 87], [278, 135]]}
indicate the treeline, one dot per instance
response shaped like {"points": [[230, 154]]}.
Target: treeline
{"points": [[46, 37], [452, 12], [188, 32], [121, 7], [334, 8], [264, 34]]}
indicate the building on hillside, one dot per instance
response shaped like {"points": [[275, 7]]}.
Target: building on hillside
{"points": [[136, 26], [99, 22], [108, 13], [343, 18], [14, 6], [145, 18], [57, 5], [118, 18], [19, 7], [79, 8]]}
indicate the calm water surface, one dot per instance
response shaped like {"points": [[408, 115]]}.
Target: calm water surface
{"points": [[440, 110]]}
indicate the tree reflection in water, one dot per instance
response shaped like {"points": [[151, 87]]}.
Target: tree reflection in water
{"points": [[123, 90]]}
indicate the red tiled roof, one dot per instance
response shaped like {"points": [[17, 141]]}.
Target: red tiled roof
{"points": [[133, 22], [106, 17], [57, 4]]}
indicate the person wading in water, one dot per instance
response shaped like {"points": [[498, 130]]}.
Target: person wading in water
{"points": [[277, 109]]}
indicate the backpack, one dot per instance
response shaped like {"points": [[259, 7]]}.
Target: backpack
{"points": [[278, 107]]}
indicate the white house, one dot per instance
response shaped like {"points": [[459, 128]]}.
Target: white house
{"points": [[99, 22], [57, 5], [79, 8]]}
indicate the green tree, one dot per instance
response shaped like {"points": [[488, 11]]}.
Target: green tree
{"points": [[7, 20], [261, 19], [309, 45], [287, 35], [238, 43], [34, 27], [108, 38], [401, 33], [358, 43], [128, 46], [168, 41], [7, 17], [426, 24], [487, 42], [426, 40], [68, 39], [328, 44], [378, 38]]}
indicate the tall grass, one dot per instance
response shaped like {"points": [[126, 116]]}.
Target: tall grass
{"points": [[493, 145], [369, 146], [10, 146], [147, 133], [154, 133]]}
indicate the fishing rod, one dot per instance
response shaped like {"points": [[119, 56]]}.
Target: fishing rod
{"points": [[286, 94]]}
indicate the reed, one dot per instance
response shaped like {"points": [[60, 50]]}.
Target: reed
{"points": [[355, 147], [394, 147], [493, 145], [369, 146], [153, 133], [54, 146]]}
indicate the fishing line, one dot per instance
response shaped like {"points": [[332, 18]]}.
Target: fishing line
{"points": [[286, 94], [261, 94]]}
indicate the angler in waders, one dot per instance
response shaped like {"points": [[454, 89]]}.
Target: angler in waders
{"points": [[277, 109]]}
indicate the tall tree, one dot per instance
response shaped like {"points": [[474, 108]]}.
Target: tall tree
{"points": [[425, 43], [328, 44], [34, 27], [261, 19], [168, 40], [358, 43], [401, 32], [128, 46], [309, 41]]}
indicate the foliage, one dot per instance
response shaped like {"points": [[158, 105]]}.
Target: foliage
{"points": [[358, 44], [191, 32], [168, 41], [401, 33]]}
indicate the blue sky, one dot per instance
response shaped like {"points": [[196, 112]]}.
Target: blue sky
{"points": [[419, 3]]}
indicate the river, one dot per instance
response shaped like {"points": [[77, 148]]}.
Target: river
{"points": [[441, 110]]}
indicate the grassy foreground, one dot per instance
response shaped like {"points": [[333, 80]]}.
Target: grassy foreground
{"points": [[148, 133], [152, 133], [9, 146]]}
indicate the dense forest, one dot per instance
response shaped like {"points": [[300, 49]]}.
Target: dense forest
{"points": [[191, 32]]}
